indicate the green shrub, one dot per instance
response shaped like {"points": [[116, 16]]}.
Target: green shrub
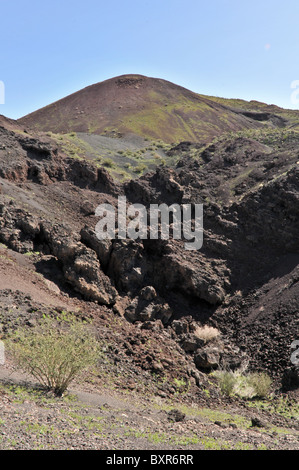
{"points": [[139, 168], [108, 163], [227, 381], [256, 384], [55, 351], [261, 383]]}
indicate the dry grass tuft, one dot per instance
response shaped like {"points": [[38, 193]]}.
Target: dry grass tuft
{"points": [[206, 333]]}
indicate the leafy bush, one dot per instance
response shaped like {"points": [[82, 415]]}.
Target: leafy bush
{"points": [[55, 351]]}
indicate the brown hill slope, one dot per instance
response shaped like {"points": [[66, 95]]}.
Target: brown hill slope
{"points": [[270, 113], [150, 107], [10, 124]]}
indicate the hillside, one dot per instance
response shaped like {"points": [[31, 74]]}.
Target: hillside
{"points": [[270, 113], [249, 188], [129, 124], [152, 302], [149, 107]]}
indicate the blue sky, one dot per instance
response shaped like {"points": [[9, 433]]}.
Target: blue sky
{"points": [[230, 48]]}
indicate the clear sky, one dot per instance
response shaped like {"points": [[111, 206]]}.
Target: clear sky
{"points": [[230, 48]]}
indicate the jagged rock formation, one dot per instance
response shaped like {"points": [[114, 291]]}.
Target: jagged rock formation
{"points": [[244, 279]]}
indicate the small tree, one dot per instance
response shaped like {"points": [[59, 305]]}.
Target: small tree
{"points": [[55, 351]]}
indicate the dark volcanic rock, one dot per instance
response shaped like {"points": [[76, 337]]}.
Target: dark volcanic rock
{"points": [[244, 279]]}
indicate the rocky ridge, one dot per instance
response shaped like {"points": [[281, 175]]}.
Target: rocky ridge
{"points": [[244, 279]]}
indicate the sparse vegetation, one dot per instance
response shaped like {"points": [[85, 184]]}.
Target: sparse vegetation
{"points": [[32, 253], [54, 352], [108, 163], [227, 382], [163, 357], [206, 333], [256, 384], [139, 168], [261, 383]]}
